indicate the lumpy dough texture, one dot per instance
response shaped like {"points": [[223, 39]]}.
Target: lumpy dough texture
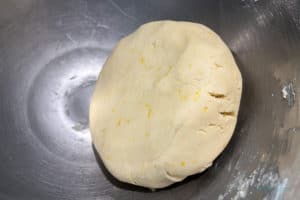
{"points": [[165, 104]]}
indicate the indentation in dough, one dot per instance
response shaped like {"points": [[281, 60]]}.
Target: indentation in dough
{"points": [[171, 176], [164, 75], [217, 95], [205, 109], [201, 131], [215, 125], [227, 113], [198, 79], [218, 65]]}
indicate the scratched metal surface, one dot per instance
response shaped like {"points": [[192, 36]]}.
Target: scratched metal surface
{"points": [[51, 52]]}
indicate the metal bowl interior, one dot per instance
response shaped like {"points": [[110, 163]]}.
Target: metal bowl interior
{"points": [[51, 53]]}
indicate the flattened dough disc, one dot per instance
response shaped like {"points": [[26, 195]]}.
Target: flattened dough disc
{"points": [[165, 104]]}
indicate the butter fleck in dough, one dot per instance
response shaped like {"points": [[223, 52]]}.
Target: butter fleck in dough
{"points": [[166, 103]]}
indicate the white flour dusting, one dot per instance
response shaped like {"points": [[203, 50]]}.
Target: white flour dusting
{"points": [[258, 179], [288, 93]]}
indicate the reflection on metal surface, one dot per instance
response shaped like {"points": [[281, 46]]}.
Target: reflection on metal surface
{"points": [[288, 93], [51, 52]]}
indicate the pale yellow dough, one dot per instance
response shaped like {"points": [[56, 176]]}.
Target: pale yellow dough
{"points": [[165, 104]]}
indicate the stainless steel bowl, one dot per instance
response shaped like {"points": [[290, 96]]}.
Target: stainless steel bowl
{"points": [[51, 52]]}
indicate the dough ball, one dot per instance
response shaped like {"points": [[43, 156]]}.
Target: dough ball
{"points": [[165, 104]]}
